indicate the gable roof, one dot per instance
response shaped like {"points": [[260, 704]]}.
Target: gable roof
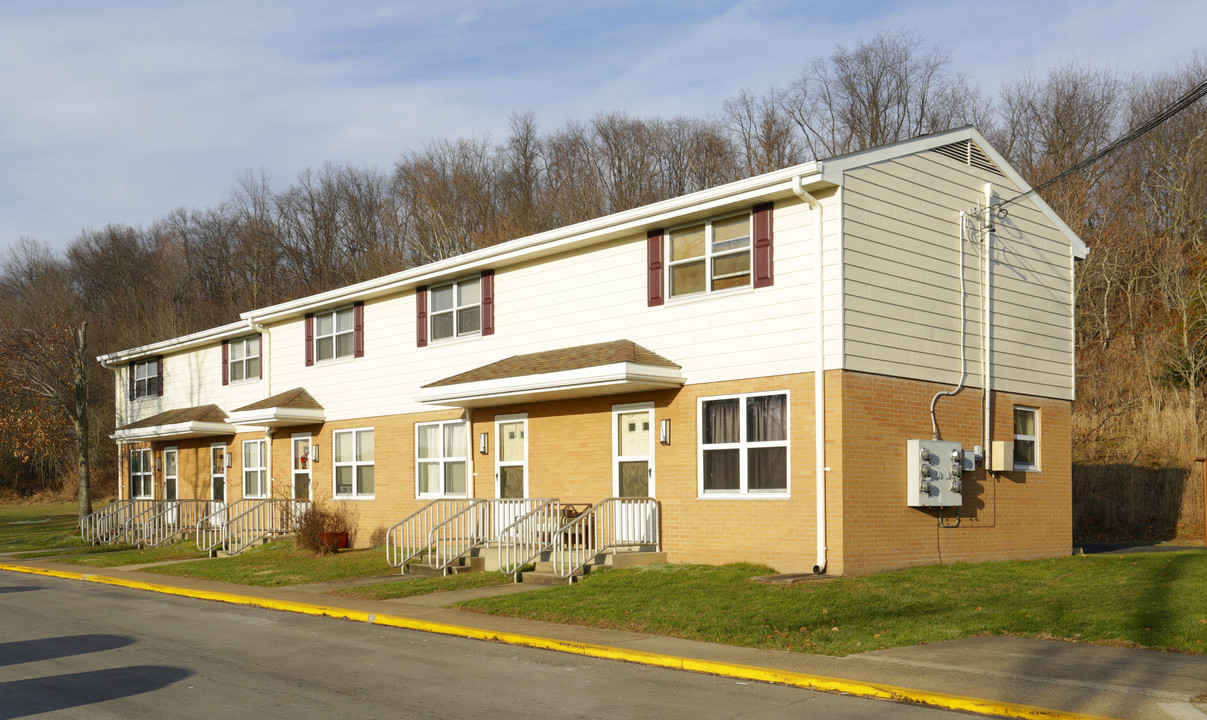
{"points": [[201, 413], [551, 361], [296, 398]]}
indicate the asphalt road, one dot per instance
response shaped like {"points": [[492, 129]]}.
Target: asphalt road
{"points": [[80, 650]]}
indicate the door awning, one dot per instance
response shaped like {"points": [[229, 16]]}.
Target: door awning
{"points": [[179, 424], [292, 407], [610, 368]]}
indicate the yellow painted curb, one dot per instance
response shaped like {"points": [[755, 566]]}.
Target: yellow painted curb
{"points": [[723, 669]]}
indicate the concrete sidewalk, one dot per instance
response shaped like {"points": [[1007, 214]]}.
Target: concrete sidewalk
{"points": [[1002, 676]]}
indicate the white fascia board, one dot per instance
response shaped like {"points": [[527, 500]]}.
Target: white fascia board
{"points": [[178, 431], [833, 169], [277, 417], [660, 214], [583, 382], [185, 342]]}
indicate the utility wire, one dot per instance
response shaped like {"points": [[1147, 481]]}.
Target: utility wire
{"points": [[1177, 106]]}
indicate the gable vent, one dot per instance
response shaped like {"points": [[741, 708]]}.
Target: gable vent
{"points": [[967, 152]]}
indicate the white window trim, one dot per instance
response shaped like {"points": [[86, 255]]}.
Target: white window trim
{"points": [[454, 310], [1024, 467], [334, 335], [442, 460], [220, 471], [267, 491], [742, 445], [148, 473], [230, 363], [500, 420], [708, 256], [354, 464], [153, 368], [176, 477], [293, 471]]}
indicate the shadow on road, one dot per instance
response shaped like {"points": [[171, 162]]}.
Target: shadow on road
{"points": [[19, 588], [26, 651], [21, 698]]}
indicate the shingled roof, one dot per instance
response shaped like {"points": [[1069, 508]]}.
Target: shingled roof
{"points": [[551, 361], [296, 398], [201, 413]]}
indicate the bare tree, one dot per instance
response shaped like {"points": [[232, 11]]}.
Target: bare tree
{"points": [[763, 131]]}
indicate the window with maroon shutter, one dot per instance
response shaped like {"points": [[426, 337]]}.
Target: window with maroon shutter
{"points": [[146, 378], [225, 362], [421, 316], [159, 376], [488, 302], [654, 294], [455, 309], [333, 335], [241, 359], [763, 256]]}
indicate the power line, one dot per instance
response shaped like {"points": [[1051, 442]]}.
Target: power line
{"points": [[1177, 106]]}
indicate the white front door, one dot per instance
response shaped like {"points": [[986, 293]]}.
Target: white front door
{"points": [[633, 470], [511, 468], [170, 476], [218, 480], [302, 489]]}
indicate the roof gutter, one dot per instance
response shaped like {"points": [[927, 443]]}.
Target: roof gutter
{"points": [[819, 370]]}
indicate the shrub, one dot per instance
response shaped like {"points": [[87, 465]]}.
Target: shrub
{"points": [[323, 528]]}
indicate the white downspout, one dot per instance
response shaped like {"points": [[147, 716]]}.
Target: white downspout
{"points": [[819, 380], [987, 330]]}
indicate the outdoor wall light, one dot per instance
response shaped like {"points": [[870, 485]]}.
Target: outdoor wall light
{"points": [[664, 431], [159, 462], [230, 460], [314, 453], [484, 443]]}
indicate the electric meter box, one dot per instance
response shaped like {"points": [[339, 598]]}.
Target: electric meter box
{"points": [[935, 473]]}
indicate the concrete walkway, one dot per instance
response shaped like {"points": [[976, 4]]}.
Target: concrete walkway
{"points": [[1000, 676]]}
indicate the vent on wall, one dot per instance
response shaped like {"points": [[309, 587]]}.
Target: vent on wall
{"points": [[967, 152]]}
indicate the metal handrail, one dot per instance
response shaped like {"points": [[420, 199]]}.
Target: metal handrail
{"points": [[171, 519], [99, 526], [608, 525], [263, 519], [139, 512], [411, 536], [211, 528], [531, 534], [458, 534]]}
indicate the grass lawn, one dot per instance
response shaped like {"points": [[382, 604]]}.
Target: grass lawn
{"points": [[184, 550], [281, 563], [424, 586], [38, 527], [1142, 600]]}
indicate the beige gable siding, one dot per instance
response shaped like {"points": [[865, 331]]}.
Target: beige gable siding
{"points": [[901, 303]]}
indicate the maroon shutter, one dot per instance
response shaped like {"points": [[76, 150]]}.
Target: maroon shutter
{"points": [[358, 335], [225, 362], [654, 284], [488, 302], [763, 260], [132, 380], [159, 373], [309, 339], [421, 316]]}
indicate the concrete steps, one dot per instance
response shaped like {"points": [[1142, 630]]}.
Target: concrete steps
{"points": [[543, 573]]}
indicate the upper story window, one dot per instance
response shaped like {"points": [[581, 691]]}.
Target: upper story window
{"points": [[1026, 438], [335, 334], [146, 379], [456, 309], [710, 256], [744, 444], [241, 359], [732, 251]]}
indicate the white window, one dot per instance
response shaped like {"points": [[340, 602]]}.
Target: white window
{"points": [[243, 361], [710, 256], [142, 474], [744, 444], [146, 379], [456, 309], [442, 458], [255, 469], [1026, 438], [353, 463], [334, 334]]}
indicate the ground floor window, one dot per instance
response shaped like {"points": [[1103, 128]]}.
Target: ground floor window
{"points": [[353, 463], [255, 469], [441, 458], [1026, 438], [142, 474], [744, 444]]}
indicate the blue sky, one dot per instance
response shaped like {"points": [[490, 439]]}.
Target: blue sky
{"points": [[122, 111]]}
